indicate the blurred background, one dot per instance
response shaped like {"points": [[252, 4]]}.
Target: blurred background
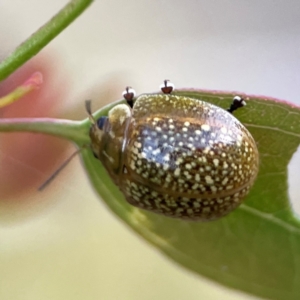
{"points": [[63, 243]]}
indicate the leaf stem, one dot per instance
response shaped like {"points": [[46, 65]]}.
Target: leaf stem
{"points": [[42, 37], [71, 130]]}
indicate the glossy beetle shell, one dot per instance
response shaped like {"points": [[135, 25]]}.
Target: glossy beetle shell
{"points": [[177, 156]]}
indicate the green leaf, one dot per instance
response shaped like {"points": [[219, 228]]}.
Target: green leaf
{"points": [[256, 248]]}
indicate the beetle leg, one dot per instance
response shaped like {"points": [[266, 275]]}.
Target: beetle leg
{"points": [[128, 95], [167, 87], [236, 103]]}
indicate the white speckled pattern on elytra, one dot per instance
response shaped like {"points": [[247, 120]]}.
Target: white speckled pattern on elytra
{"points": [[184, 158]]}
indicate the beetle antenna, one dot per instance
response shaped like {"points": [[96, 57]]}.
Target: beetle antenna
{"points": [[65, 163], [88, 107]]}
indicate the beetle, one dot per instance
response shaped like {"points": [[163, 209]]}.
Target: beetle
{"points": [[177, 156]]}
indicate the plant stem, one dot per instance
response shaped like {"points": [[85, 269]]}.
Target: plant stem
{"points": [[71, 130], [32, 83], [42, 37]]}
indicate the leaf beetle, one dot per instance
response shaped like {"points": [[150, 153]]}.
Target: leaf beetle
{"points": [[177, 156]]}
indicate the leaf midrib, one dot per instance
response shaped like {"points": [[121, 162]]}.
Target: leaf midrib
{"points": [[272, 128]]}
